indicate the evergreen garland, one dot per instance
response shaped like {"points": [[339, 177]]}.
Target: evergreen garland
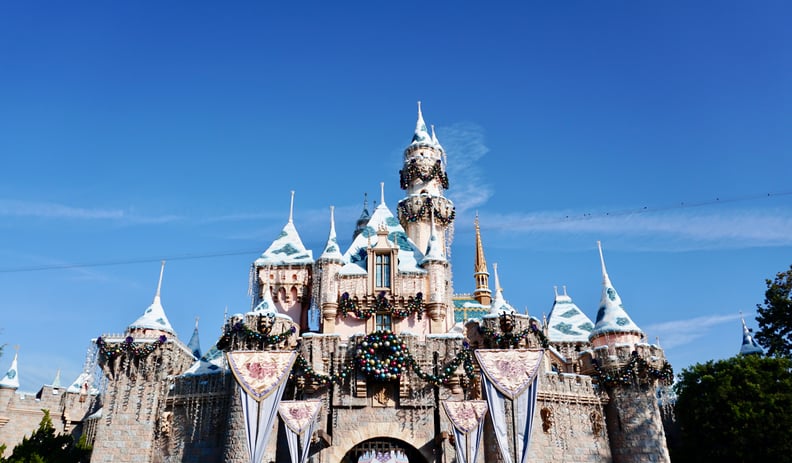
{"points": [[509, 340], [412, 171], [405, 211], [637, 371], [129, 347]]}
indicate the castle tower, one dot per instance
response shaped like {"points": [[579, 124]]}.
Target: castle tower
{"points": [[482, 293], [499, 305], [628, 371], [140, 366], [436, 265], [9, 384], [328, 265], [749, 345], [194, 344], [424, 180], [286, 269], [365, 216], [568, 328]]}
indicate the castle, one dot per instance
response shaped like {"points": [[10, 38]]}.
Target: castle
{"points": [[370, 356]]}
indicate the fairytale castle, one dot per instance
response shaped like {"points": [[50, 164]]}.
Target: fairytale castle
{"points": [[365, 353]]}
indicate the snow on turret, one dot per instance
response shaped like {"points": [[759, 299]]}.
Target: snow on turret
{"points": [[331, 251], [749, 345], [195, 343], [154, 317], [566, 322], [287, 248], [499, 304], [11, 378], [611, 317], [421, 135]]}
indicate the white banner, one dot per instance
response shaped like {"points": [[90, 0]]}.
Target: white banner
{"points": [[468, 420], [299, 418]]}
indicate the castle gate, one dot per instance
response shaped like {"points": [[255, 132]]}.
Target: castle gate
{"points": [[381, 445]]}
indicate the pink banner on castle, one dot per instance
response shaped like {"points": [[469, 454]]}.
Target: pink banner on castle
{"points": [[299, 416], [511, 371], [468, 420], [261, 377], [511, 375], [260, 373]]}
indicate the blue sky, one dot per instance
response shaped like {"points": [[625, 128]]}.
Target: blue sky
{"points": [[133, 132]]}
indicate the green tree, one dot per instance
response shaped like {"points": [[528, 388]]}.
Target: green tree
{"points": [[45, 446], [775, 316], [735, 410]]}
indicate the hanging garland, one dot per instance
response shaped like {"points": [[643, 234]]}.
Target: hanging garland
{"points": [[637, 371], [381, 304], [346, 304], [507, 340], [246, 333], [414, 305], [407, 213], [413, 171], [129, 347], [383, 356]]}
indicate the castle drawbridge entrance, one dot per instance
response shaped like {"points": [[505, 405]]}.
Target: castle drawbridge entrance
{"points": [[383, 449]]}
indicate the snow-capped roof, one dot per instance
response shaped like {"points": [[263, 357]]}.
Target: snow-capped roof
{"points": [[11, 378], [435, 141], [434, 250], [154, 317], [331, 250], [749, 345], [356, 256], [566, 322], [211, 363], [195, 342], [267, 305], [86, 379], [287, 248], [421, 135], [499, 304], [611, 316]]}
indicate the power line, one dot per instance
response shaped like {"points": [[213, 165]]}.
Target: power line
{"points": [[585, 216]]}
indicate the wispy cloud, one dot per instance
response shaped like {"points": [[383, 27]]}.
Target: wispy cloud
{"points": [[465, 143], [677, 333], [686, 228], [49, 210]]}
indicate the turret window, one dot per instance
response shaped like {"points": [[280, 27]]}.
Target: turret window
{"points": [[382, 271], [383, 322]]}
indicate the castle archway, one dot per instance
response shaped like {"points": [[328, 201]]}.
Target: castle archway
{"points": [[381, 445]]}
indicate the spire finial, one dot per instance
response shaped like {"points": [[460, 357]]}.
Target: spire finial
{"points": [[196, 322], [419, 110], [602, 261], [382, 193], [497, 279], [365, 200], [564, 287], [159, 283], [555, 290], [291, 208], [332, 220]]}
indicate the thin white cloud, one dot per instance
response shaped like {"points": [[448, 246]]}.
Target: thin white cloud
{"points": [[18, 208], [677, 333], [686, 228], [464, 143]]}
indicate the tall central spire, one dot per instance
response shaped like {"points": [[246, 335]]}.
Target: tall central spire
{"points": [[482, 293]]}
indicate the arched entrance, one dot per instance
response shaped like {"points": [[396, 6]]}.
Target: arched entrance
{"points": [[383, 445]]}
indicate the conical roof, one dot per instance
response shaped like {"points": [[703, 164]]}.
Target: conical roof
{"points": [[195, 342], [266, 306], [356, 257], [611, 316], [365, 215], [421, 135], [11, 378], [749, 345], [434, 249], [566, 322], [499, 304], [331, 251], [154, 317], [287, 248], [435, 141], [211, 363], [85, 379], [56, 383]]}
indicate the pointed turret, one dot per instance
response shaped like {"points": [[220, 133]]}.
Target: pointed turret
{"points": [[195, 343], [56, 383], [154, 317], [11, 378], [749, 345], [288, 248], [499, 304], [421, 135], [566, 322], [612, 319], [435, 141], [434, 250], [331, 251], [266, 306], [480, 273], [365, 216]]}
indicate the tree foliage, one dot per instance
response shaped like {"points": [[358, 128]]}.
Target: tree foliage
{"points": [[735, 410], [775, 316], [45, 446]]}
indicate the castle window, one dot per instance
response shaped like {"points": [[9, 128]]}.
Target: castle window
{"points": [[382, 271], [383, 322]]}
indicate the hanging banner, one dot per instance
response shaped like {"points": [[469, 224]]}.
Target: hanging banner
{"points": [[511, 374], [299, 416], [261, 377], [468, 420]]}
